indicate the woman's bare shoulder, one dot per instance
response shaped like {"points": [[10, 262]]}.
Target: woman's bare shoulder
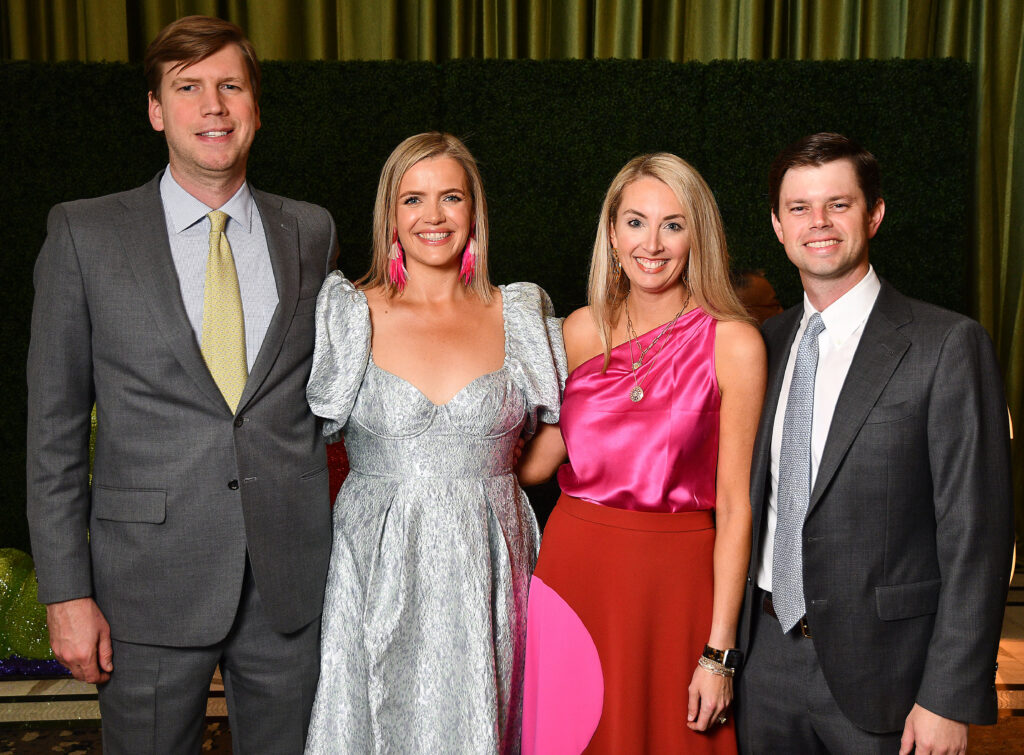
{"points": [[582, 337], [740, 356], [739, 339]]}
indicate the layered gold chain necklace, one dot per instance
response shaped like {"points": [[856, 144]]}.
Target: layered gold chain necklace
{"points": [[636, 394]]}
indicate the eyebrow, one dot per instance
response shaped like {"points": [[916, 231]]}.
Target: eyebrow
{"points": [[421, 193], [847, 197], [641, 215], [196, 79]]}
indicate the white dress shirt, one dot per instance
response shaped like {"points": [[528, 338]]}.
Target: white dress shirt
{"points": [[188, 230], [844, 323]]}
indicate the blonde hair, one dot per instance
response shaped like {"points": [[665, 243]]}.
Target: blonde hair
{"points": [[707, 268], [405, 155]]}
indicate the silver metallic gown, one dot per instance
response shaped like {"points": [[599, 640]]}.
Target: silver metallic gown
{"points": [[424, 625]]}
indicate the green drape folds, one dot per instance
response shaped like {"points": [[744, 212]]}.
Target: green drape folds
{"points": [[986, 33]]}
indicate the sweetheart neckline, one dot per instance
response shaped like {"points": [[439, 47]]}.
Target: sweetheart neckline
{"points": [[454, 396], [504, 360]]}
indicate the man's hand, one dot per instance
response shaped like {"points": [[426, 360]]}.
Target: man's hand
{"points": [[80, 638], [926, 733]]}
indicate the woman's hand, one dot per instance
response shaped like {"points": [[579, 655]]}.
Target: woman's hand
{"points": [[517, 451], [710, 695]]}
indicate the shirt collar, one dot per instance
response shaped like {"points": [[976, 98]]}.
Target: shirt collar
{"points": [[846, 314], [184, 210]]}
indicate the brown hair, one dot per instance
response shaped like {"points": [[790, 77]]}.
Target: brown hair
{"points": [[191, 39], [821, 148], [405, 155], [741, 279], [707, 268]]}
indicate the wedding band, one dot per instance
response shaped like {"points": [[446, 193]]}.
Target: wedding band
{"points": [[722, 719]]}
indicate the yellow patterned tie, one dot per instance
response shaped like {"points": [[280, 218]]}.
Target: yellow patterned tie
{"points": [[223, 344]]}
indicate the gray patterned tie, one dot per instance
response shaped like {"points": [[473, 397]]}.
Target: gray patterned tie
{"points": [[795, 481]]}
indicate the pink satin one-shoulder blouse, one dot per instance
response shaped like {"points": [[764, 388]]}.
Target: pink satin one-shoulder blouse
{"points": [[659, 454]]}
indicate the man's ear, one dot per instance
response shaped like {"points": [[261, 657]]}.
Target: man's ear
{"points": [[875, 218], [156, 113], [778, 227]]}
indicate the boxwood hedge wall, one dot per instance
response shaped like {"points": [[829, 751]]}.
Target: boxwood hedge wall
{"points": [[549, 137]]}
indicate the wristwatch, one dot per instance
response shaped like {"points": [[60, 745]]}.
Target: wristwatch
{"points": [[732, 659]]}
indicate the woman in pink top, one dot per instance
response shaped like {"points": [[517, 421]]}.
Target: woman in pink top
{"points": [[636, 596]]}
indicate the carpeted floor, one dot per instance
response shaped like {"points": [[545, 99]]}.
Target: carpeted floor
{"points": [[1005, 738], [86, 740]]}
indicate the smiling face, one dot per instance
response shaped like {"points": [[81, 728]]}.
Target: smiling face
{"points": [[825, 225], [209, 115], [651, 234], [434, 212]]}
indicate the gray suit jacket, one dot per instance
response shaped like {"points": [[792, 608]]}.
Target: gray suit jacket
{"points": [[181, 489], [907, 540]]}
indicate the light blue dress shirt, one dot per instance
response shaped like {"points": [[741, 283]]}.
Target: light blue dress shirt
{"points": [[188, 229]]}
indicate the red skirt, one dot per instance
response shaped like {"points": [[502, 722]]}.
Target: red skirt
{"points": [[620, 610]]}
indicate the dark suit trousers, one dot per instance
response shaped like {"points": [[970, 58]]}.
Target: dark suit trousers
{"points": [[155, 701], [783, 703]]}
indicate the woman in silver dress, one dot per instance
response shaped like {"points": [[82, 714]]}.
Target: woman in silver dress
{"points": [[431, 374]]}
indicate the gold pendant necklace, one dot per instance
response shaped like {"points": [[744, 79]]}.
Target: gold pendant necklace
{"points": [[632, 334], [636, 393]]}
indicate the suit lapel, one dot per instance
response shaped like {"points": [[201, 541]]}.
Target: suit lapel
{"points": [[143, 232], [880, 350], [283, 243], [779, 337]]}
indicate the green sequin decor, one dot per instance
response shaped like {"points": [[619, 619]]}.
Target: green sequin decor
{"points": [[22, 618]]}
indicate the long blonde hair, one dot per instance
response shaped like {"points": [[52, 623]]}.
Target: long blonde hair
{"points": [[707, 268], [405, 155]]}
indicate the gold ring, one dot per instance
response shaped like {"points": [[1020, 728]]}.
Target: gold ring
{"points": [[722, 719]]}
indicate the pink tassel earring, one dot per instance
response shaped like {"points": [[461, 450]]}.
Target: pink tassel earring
{"points": [[469, 259], [397, 273]]}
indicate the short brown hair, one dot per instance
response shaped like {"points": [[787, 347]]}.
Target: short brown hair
{"points": [[821, 148], [191, 39]]}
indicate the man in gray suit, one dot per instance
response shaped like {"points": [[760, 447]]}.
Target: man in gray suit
{"points": [[204, 537], [881, 494]]}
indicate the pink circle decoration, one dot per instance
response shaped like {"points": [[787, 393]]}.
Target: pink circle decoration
{"points": [[564, 691]]}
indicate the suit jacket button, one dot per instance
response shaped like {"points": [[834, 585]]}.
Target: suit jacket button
{"points": [[239, 421], [233, 485]]}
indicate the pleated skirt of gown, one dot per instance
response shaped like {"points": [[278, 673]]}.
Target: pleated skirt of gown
{"points": [[423, 639]]}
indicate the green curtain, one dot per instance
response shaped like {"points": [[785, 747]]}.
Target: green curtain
{"points": [[987, 33]]}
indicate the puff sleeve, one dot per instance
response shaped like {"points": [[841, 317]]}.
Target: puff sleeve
{"points": [[536, 353], [341, 353]]}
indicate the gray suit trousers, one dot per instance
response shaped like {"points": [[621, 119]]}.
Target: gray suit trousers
{"points": [[155, 701], [794, 710]]}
